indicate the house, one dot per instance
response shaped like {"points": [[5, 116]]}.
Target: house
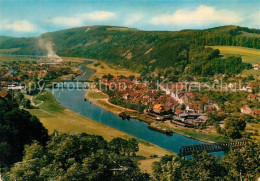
{"points": [[126, 96], [193, 107], [179, 111], [175, 105], [202, 119], [4, 94], [252, 97], [256, 112], [183, 116], [246, 110], [158, 109], [3, 83], [168, 106], [256, 66], [209, 108]]}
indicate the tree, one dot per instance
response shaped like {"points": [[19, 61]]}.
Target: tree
{"points": [[75, 157], [26, 103], [17, 128], [19, 97], [131, 77], [233, 127], [118, 145], [243, 164], [204, 167], [169, 168], [132, 147], [183, 107]]}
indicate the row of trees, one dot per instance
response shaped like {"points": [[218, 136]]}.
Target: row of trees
{"points": [[78, 157], [241, 164]]}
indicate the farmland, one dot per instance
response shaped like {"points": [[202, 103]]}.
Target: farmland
{"points": [[249, 55]]}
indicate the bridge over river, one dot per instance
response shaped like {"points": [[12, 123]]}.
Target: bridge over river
{"points": [[212, 147]]}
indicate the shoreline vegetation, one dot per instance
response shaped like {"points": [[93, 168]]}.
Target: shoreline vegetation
{"points": [[101, 99]]}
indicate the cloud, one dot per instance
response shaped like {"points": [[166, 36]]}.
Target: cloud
{"points": [[134, 18], [21, 26], [201, 16], [79, 19]]}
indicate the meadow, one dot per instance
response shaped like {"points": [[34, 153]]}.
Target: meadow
{"points": [[248, 55], [104, 69]]}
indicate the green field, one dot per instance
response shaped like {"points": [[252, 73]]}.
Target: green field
{"points": [[249, 55], [105, 69]]}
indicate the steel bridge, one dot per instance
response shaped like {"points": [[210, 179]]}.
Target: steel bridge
{"points": [[212, 147]]}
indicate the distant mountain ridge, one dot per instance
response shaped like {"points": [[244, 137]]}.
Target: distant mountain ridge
{"points": [[136, 49]]}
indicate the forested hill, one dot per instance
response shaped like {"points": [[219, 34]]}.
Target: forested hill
{"points": [[181, 51]]}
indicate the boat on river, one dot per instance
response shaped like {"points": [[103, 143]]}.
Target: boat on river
{"points": [[123, 115], [160, 129]]}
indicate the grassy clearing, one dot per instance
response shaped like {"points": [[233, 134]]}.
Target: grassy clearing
{"points": [[249, 55], [146, 165], [96, 95], [254, 129], [105, 69], [251, 72], [56, 117]]}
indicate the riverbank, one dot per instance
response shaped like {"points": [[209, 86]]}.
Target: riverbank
{"points": [[101, 99], [56, 117]]}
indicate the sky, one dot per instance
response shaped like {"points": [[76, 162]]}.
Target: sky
{"points": [[33, 17]]}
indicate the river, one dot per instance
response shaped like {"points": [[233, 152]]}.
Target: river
{"points": [[74, 100]]}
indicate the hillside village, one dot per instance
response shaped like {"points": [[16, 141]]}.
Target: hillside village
{"points": [[180, 103], [16, 75]]}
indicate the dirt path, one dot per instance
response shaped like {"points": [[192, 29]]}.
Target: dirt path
{"points": [[33, 103]]}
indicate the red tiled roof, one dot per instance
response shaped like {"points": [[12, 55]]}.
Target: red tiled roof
{"points": [[257, 111], [178, 111], [245, 107], [3, 94], [252, 95]]}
